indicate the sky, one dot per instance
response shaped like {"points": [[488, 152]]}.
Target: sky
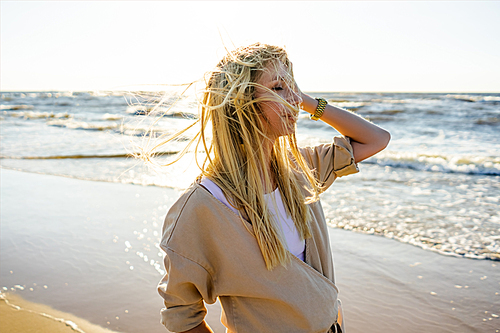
{"points": [[390, 46]]}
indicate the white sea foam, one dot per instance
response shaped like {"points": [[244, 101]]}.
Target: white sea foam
{"points": [[448, 163], [16, 107], [473, 98], [36, 114], [74, 124]]}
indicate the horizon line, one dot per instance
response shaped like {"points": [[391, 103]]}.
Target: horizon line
{"points": [[309, 92]]}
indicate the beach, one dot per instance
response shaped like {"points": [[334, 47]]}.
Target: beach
{"points": [[86, 248], [437, 184], [414, 234], [89, 249]]}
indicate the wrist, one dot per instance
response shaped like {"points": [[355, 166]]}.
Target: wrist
{"points": [[322, 103], [309, 104]]}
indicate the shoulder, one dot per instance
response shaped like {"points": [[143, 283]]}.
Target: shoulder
{"points": [[194, 203], [201, 229], [194, 196], [196, 214]]}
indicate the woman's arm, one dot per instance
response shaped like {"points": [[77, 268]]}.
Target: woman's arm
{"points": [[202, 328], [367, 139]]}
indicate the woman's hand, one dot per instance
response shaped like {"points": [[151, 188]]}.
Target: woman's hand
{"points": [[367, 139]]}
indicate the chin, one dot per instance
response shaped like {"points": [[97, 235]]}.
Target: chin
{"points": [[289, 132]]}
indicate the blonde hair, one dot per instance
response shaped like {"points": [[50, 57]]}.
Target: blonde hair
{"points": [[235, 155]]}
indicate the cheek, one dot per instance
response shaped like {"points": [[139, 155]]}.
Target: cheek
{"points": [[271, 110]]}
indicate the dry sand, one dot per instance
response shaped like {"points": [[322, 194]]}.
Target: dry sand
{"points": [[64, 244]]}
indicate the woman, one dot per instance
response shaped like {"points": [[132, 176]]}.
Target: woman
{"points": [[250, 231]]}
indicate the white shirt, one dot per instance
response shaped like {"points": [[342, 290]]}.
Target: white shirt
{"points": [[277, 209]]}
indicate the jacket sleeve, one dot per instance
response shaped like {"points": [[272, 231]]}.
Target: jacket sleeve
{"points": [[183, 288], [329, 161]]}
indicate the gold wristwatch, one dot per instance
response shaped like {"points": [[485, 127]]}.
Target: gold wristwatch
{"points": [[319, 109]]}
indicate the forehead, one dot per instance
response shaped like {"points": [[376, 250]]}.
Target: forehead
{"points": [[274, 70]]}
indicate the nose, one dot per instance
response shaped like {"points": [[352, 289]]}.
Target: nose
{"points": [[294, 97]]}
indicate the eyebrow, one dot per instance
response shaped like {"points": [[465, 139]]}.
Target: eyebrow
{"points": [[281, 76], [278, 75]]}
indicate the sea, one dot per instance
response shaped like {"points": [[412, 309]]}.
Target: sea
{"points": [[436, 186]]}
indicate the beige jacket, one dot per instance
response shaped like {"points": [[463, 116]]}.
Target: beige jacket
{"points": [[210, 254]]}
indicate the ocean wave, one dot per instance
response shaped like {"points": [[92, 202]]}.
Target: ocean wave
{"points": [[83, 125], [478, 165], [37, 115], [465, 98], [391, 101], [160, 111], [141, 110], [435, 240], [416, 99], [16, 107], [153, 128], [382, 113], [474, 98], [350, 105], [109, 116], [488, 121], [57, 94], [64, 103], [492, 98], [81, 156]]}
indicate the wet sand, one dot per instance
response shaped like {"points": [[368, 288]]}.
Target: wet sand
{"points": [[19, 315], [88, 249], [387, 286]]}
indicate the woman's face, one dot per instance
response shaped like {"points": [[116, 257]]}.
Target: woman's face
{"points": [[278, 119]]}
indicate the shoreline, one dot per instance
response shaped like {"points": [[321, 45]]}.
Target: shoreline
{"points": [[17, 314], [348, 227], [88, 248]]}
